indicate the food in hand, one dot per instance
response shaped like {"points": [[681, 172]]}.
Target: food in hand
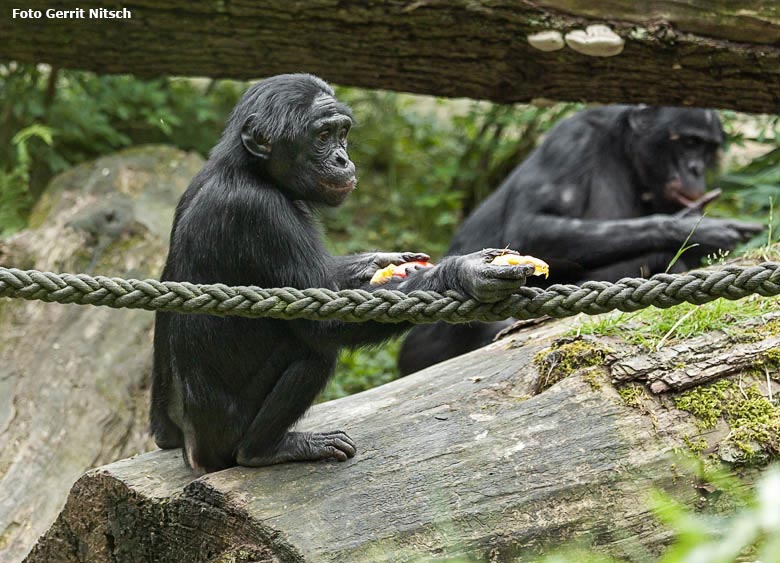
{"points": [[398, 270], [541, 268]]}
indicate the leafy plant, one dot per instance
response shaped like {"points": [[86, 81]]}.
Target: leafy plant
{"points": [[15, 198]]}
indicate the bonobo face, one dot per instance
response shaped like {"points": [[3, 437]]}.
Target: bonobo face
{"points": [[314, 165], [674, 148], [333, 173]]}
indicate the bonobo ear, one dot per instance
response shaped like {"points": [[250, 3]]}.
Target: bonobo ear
{"points": [[641, 118], [259, 147]]}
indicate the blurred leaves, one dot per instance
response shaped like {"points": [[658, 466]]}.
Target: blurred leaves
{"points": [[752, 533], [93, 115], [15, 198]]}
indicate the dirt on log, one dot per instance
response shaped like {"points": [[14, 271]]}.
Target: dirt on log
{"points": [[697, 52], [503, 453], [74, 380]]}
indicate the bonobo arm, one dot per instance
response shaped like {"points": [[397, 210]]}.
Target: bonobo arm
{"points": [[597, 243], [356, 270], [472, 275], [640, 266]]}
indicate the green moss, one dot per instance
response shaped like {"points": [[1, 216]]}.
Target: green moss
{"points": [[754, 421], [594, 377], [768, 361], [695, 445], [565, 357], [632, 395], [704, 402], [758, 332]]}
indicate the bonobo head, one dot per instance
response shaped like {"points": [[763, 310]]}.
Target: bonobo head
{"points": [[671, 149], [291, 130]]}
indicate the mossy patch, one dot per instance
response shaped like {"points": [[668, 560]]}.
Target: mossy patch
{"points": [[754, 421], [695, 445], [566, 356], [595, 377], [632, 395], [768, 362]]}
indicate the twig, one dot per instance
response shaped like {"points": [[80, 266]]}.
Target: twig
{"points": [[741, 390], [674, 327]]}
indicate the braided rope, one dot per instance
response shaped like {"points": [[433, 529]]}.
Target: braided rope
{"points": [[593, 297]]}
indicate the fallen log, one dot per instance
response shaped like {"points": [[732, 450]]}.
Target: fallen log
{"points": [[503, 453]]}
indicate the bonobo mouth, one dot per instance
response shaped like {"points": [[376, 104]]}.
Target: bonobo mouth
{"points": [[675, 192], [347, 186]]}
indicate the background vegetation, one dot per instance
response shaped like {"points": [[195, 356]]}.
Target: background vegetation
{"points": [[423, 162]]}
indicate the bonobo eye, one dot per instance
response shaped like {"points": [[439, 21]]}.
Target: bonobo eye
{"points": [[324, 135], [690, 142], [343, 135]]}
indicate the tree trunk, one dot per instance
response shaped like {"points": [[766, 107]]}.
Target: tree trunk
{"points": [[73, 380], [501, 453], [692, 52]]}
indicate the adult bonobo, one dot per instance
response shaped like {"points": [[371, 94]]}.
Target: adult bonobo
{"points": [[229, 389], [597, 201]]}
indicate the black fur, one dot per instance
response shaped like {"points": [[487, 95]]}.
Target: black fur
{"points": [[594, 200]]}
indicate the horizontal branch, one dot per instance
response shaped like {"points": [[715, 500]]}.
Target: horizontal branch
{"points": [[676, 53]]}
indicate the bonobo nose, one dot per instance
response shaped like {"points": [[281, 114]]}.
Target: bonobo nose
{"points": [[696, 168], [341, 158]]}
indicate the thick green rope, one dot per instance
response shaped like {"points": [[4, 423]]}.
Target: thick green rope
{"points": [[630, 294]]}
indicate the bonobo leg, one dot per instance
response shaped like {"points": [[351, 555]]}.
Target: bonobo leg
{"points": [[166, 394], [267, 441], [431, 344]]}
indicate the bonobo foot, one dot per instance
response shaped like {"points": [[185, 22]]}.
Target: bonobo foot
{"points": [[303, 446]]}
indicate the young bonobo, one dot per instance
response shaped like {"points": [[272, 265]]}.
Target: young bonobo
{"points": [[612, 192], [228, 390]]}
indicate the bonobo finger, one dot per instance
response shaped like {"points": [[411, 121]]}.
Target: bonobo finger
{"points": [[336, 453], [341, 435], [413, 257], [518, 272], [490, 253], [749, 228], [348, 449], [414, 268]]}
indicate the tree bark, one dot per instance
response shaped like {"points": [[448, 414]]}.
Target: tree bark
{"points": [[74, 380], [691, 52], [462, 459]]}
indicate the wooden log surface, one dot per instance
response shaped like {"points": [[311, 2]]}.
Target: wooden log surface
{"points": [[677, 52], [463, 459]]}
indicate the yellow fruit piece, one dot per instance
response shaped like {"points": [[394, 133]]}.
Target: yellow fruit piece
{"points": [[381, 276], [541, 268]]}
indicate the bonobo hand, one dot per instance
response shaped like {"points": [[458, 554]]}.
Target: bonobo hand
{"points": [[483, 281], [715, 234], [380, 260]]}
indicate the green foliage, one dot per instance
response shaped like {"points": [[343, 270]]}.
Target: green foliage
{"points": [[363, 369], [751, 190], [92, 115], [15, 198], [750, 534]]}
